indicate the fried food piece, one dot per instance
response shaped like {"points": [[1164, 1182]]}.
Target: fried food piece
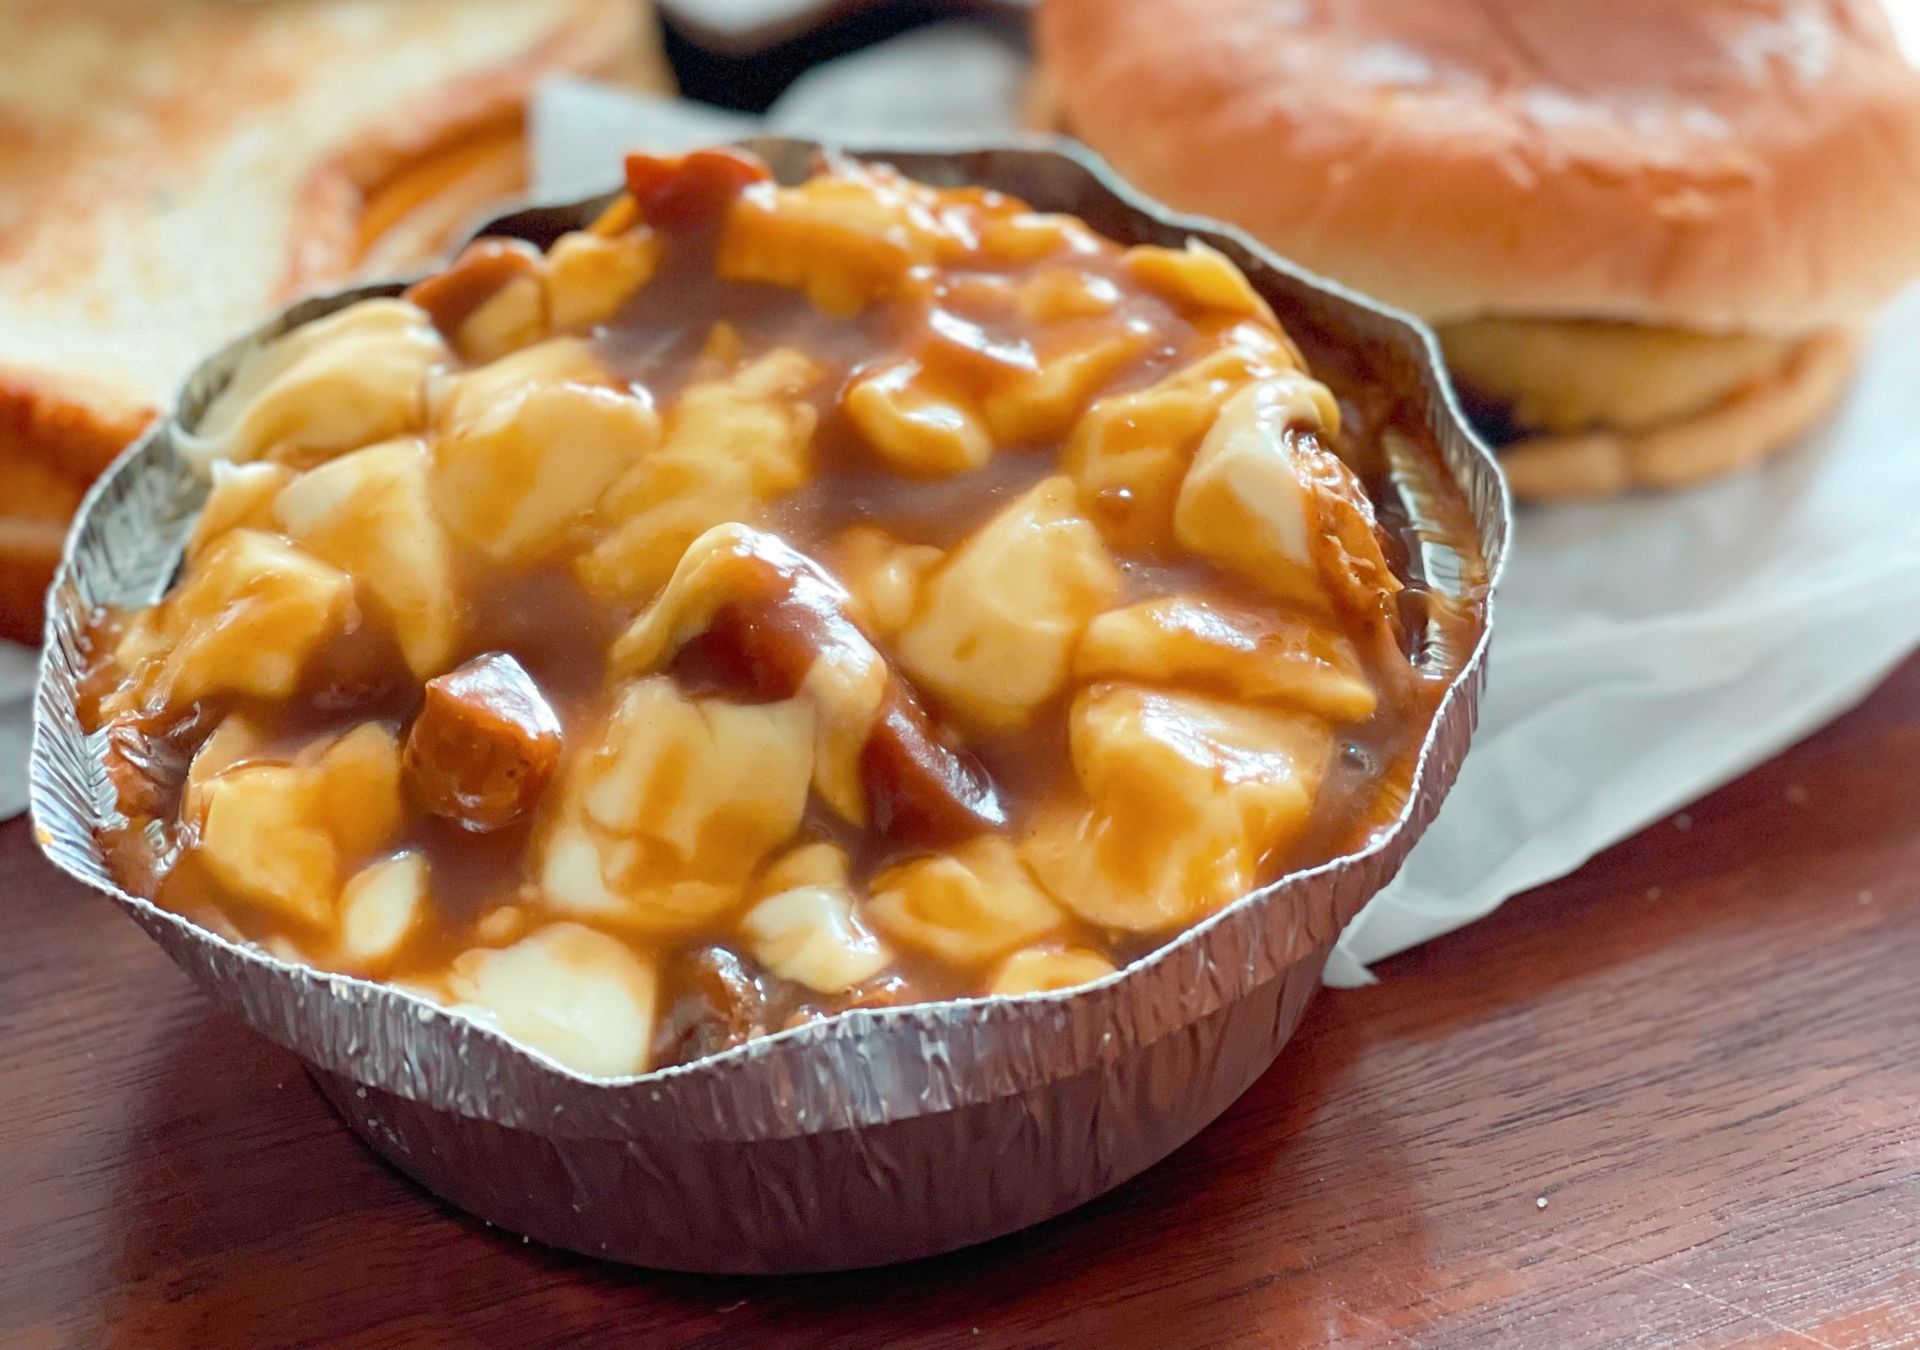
{"points": [[484, 745], [684, 192], [722, 1004], [1748, 425], [1566, 376]]}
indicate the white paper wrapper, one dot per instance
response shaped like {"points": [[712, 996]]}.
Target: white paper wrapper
{"points": [[1650, 648], [1653, 647]]}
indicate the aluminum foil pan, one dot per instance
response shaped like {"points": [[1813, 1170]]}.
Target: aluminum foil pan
{"points": [[878, 1135]]}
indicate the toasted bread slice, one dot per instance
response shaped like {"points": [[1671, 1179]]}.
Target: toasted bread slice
{"points": [[171, 172]]}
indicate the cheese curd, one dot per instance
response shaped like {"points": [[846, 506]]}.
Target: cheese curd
{"points": [[996, 623], [456, 397], [1197, 276], [670, 810], [590, 276], [1267, 502], [569, 992], [829, 664], [370, 514], [348, 380], [247, 620], [883, 577], [1130, 453], [731, 444], [1045, 970], [965, 907], [806, 929], [281, 834], [1184, 640], [769, 601], [379, 907], [845, 240], [241, 497], [916, 429], [503, 486], [1185, 798]]}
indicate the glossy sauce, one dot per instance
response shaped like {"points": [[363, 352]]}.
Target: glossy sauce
{"points": [[967, 334]]}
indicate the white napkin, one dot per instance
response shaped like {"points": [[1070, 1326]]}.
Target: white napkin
{"points": [[1646, 649]]}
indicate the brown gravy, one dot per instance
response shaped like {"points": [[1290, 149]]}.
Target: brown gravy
{"points": [[962, 324]]}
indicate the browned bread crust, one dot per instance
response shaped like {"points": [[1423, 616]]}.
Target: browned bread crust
{"points": [[390, 194]]}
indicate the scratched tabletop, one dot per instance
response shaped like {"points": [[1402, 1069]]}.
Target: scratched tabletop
{"points": [[1674, 1099]]}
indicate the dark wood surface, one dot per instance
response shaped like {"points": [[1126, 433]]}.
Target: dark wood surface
{"points": [[1701, 1051]]}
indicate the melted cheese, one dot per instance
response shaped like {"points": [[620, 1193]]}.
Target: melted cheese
{"points": [[370, 513], [567, 991], [670, 812], [348, 380], [967, 906], [996, 623], [499, 484], [1186, 799]]}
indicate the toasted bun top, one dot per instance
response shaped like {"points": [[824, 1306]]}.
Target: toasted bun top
{"points": [[1717, 164]]}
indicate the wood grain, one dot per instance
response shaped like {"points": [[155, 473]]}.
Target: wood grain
{"points": [[1700, 1051]]}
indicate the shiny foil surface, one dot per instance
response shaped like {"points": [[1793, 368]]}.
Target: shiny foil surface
{"points": [[875, 1136]]}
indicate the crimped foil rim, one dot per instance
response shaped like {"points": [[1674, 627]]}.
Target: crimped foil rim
{"points": [[862, 1067]]}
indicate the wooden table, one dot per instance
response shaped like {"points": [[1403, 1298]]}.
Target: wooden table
{"points": [[1675, 1098]]}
